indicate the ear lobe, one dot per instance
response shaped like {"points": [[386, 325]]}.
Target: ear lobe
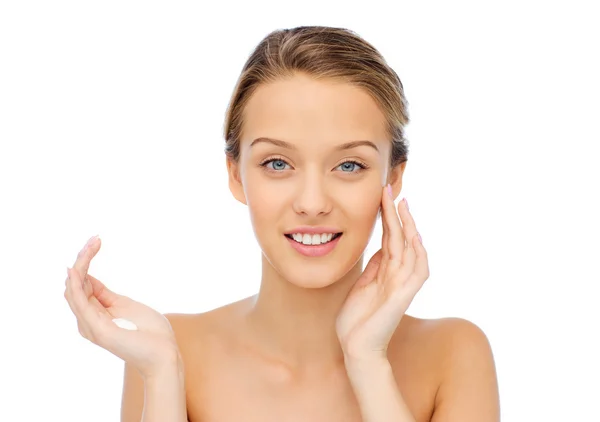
{"points": [[235, 181]]}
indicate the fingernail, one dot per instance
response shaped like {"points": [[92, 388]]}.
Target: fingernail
{"points": [[406, 202], [389, 189]]}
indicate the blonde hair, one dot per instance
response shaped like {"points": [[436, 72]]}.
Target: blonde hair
{"points": [[320, 52]]}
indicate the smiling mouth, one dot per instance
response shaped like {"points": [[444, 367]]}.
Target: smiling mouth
{"points": [[312, 240]]}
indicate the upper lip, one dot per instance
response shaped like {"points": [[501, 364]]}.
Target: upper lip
{"points": [[313, 230]]}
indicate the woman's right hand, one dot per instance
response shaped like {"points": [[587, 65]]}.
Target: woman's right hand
{"points": [[151, 348]]}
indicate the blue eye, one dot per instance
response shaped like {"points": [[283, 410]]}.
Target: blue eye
{"points": [[276, 165], [351, 167]]}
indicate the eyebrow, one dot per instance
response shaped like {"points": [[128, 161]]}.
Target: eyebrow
{"points": [[342, 147]]}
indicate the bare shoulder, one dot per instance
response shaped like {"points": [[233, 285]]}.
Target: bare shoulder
{"points": [[444, 337], [450, 335], [460, 355], [197, 334], [438, 326], [462, 347]]}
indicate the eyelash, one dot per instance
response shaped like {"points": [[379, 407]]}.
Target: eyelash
{"points": [[362, 166]]}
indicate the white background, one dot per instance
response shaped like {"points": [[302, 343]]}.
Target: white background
{"points": [[111, 117]]}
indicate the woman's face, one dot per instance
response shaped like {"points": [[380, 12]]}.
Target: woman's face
{"points": [[314, 158]]}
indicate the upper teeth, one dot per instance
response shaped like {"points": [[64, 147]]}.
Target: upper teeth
{"points": [[312, 239]]}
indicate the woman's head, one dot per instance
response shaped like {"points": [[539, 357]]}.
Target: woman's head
{"points": [[304, 98]]}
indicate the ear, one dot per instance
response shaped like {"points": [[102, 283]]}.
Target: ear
{"points": [[395, 179], [235, 180]]}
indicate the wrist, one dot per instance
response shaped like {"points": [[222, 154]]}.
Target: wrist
{"points": [[169, 367], [362, 369], [173, 377]]}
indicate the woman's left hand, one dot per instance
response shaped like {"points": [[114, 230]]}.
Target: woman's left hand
{"points": [[387, 286]]}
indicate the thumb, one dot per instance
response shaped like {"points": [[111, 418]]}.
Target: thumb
{"points": [[105, 296]]}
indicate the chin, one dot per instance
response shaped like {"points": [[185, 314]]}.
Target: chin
{"points": [[310, 277]]}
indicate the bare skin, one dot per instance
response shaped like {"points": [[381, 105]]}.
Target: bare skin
{"points": [[229, 376], [278, 355], [239, 380]]}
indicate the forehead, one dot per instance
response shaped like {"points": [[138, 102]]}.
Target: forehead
{"points": [[301, 109]]}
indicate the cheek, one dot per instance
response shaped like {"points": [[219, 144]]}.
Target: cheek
{"points": [[362, 208], [265, 202]]}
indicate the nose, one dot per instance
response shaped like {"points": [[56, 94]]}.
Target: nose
{"points": [[311, 198]]}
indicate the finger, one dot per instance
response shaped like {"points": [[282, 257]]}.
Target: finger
{"points": [[384, 232], [395, 242], [384, 256], [93, 301], [421, 268], [94, 320], [408, 223], [410, 233], [81, 326], [83, 309], [84, 257], [384, 240], [105, 296]]}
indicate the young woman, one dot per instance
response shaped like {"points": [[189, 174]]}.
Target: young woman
{"points": [[315, 149]]}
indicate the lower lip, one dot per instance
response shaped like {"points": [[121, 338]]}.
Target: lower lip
{"points": [[314, 250]]}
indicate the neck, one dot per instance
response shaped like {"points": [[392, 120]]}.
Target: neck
{"points": [[297, 325]]}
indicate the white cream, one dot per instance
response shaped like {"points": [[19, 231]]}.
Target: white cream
{"points": [[125, 323]]}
